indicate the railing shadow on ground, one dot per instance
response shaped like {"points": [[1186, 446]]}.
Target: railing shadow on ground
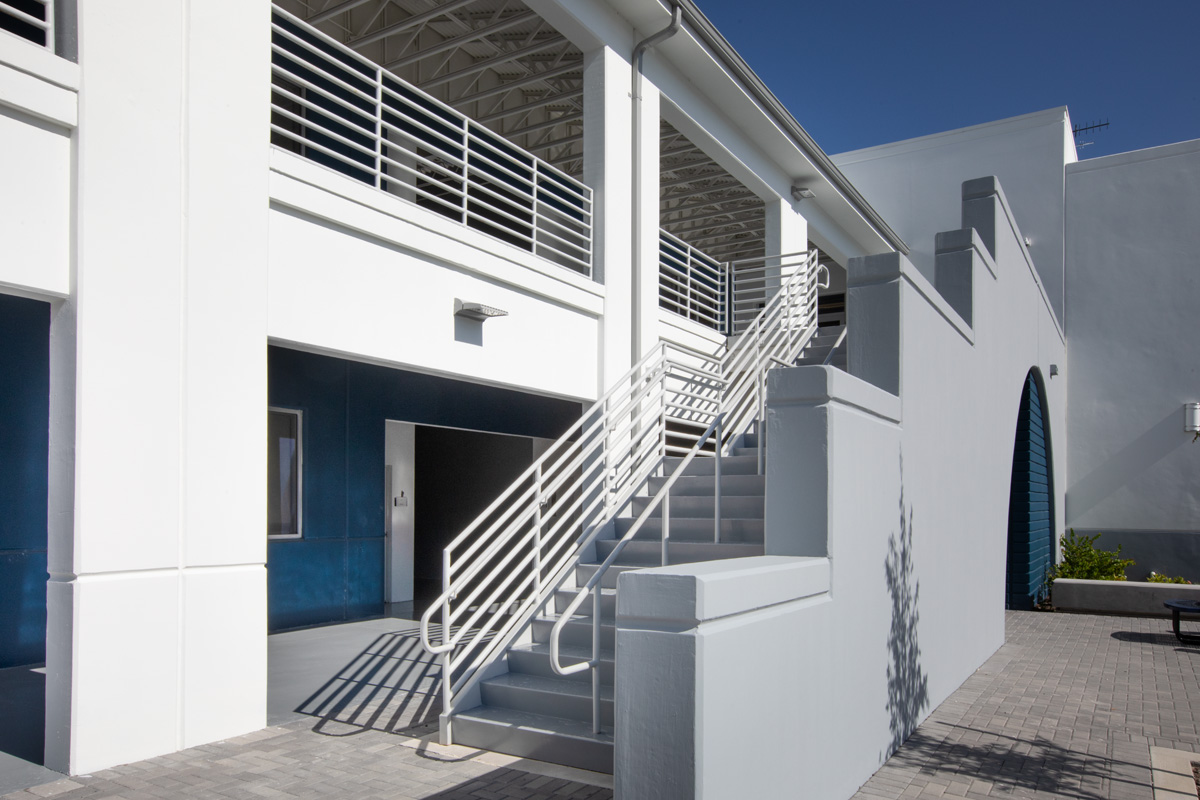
{"points": [[391, 686], [1011, 764], [907, 683], [504, 782]]}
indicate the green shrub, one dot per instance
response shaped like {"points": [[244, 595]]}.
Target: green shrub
{"points": [[1156, 578], [1081, 559]]}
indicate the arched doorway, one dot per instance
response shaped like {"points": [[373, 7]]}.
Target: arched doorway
{"points": [[1030, 502]]}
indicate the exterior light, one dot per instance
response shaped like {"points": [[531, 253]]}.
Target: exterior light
{"points": [[476, 311], [802, 193], [1053, 370], [1191, 417]]}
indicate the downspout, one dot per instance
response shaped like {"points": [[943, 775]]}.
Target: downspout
{"points": [[636, 94]]}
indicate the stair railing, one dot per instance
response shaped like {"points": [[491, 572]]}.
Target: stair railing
{"points": [[507, 564], [778, 334]]}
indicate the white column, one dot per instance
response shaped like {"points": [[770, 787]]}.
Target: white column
{"points": [[606, 168], [786, 232], [157, 595], [646, 280]]}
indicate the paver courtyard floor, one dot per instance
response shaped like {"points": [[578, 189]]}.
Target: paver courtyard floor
{"points": [[1069, 707]]}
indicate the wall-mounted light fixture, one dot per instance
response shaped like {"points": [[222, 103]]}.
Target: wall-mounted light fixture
{"points": [[1191, 417], [476, 311], [1053, 370], [802, 193]]}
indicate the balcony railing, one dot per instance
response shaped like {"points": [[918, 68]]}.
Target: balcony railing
{"points": [[30, 19], [691, 284], [343, 111]]}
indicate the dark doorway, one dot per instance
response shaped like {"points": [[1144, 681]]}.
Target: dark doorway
{"points": [[1031, 502], [459, 473]]}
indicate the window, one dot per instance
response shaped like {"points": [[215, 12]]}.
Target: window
{"points": [[284, 462]]}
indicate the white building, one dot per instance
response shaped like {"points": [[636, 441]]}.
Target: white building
{"points": [[410, 242]]}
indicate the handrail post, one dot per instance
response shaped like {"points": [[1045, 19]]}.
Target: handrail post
{"points": [[596, 596], [666, 527], [717, 484], [537, 531], [379, 132]]}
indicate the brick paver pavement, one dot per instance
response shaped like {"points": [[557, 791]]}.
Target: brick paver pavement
{"points": [[1068, 708]]}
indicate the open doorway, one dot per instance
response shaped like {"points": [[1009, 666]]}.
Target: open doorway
{"points": [[437, 480]]}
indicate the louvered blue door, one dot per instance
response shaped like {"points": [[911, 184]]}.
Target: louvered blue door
{"points": [[1030, 505]]}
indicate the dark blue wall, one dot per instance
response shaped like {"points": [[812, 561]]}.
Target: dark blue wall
{"points": [[334, 571], [24, 454], [1031, 503]]}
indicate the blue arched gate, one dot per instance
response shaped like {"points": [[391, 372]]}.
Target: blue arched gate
{"points": [[1031, 502]]}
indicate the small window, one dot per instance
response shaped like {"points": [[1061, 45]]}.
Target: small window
{"points": [[284, 462]]}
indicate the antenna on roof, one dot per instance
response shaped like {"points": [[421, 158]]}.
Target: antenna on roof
{"points": [[1079, 130]]}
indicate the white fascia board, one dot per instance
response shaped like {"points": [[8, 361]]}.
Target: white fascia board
{"points": [[1003, 127], [312, 189], [37, 82]]}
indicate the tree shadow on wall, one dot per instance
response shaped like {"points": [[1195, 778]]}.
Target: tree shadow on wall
{"points": [[908, 685]]}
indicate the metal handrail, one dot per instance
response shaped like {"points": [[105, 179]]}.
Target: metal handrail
{"points": [[343, 111], [504, 567]]}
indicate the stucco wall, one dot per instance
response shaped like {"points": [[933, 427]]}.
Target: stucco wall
{"points": [[914, 184], [1134, 291], [898, 473]]}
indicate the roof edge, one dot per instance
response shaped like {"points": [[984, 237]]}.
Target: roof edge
{"points": [[712, 37]]}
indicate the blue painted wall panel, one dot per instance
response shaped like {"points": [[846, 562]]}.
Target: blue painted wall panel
{"points": [[335, 570], [24, 462]]}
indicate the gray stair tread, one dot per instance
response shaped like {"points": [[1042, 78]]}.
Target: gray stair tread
{"points": [[512, 718], [574, 652], [556, 685]]}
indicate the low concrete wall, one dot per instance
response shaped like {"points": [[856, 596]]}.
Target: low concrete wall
{"points": [[713, 667], [1118, 597]]}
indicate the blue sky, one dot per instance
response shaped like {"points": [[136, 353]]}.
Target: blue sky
{"points": [[857, 74]]}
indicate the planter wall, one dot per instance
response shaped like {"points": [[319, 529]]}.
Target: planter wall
{"points": [[1118, 597]]}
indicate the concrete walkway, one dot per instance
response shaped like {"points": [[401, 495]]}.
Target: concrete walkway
{"points": [[1070, 707]]}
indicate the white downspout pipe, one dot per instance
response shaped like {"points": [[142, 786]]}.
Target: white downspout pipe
{"points": [[636, 93]]}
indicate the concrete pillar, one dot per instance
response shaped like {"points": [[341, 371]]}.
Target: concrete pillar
{"points": [[157, 592], [786, 232], [645, 297], [873, 301], [606, 158]]}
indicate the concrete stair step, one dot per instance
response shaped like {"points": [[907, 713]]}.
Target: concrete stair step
{"points": [[584, 573], [703, 507], [534, 659], [704, 465], [608, 601], [518, 733], [701, 485], [649, 553], [577, 632], [735, 531], [551, 697]]}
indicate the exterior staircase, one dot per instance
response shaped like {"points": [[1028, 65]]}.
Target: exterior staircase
{"points": [[533, 712], [525, 626]]}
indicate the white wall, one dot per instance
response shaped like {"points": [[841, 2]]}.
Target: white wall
{"points": [[1134, 292], [899, 474], [38, 111], [914, 184], [399, 454], [157, 593], [359, 273]]}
